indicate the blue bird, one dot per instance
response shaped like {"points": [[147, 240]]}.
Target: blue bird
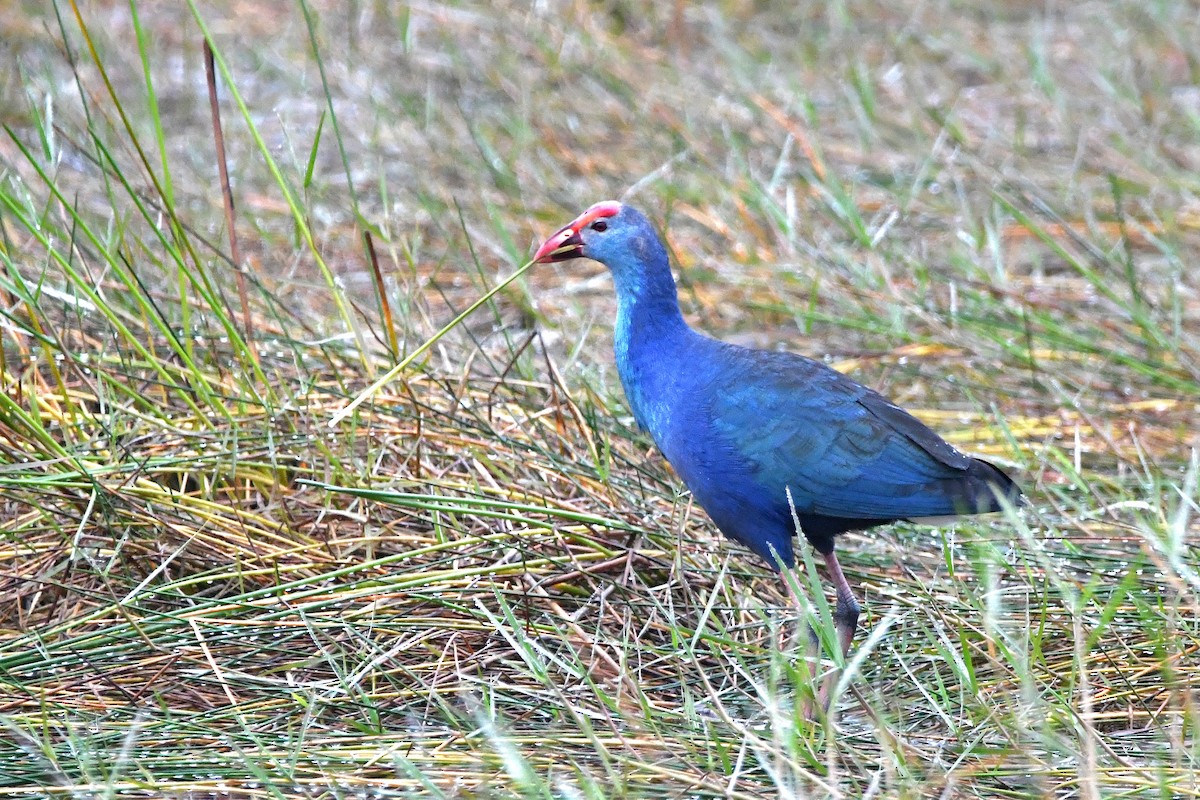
{"points": [[745, 428]]}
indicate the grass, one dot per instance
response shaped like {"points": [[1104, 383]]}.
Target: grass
{"points": [[482, 580]]}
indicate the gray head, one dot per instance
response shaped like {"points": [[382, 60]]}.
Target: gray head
{"points": [[619, 237], [607, 231]]}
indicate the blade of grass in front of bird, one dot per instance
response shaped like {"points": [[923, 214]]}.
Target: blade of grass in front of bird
{"points": [[391, 374]]}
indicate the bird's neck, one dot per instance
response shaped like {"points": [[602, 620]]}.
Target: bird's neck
{"points": [[648, 315], [650, 340]]}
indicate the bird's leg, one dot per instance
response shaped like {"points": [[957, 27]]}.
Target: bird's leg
{"points": [[845, 614], [845, 619], [785, 630], [813, 652]]}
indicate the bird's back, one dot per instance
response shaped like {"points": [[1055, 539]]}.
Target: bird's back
{"points": [[744, 428]]}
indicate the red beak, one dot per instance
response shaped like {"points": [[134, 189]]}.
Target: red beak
{"points": [[568, 242], [564, 245]]}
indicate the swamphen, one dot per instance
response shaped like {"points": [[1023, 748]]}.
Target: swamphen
{"points": [[744, 428]]}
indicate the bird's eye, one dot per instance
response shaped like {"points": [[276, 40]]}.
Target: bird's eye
{"points": [[599, 226]]}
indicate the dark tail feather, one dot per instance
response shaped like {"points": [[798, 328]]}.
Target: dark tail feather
{"points": [[983, 483]]}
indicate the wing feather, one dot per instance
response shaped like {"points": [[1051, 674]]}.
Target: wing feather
{"points": [[842, 449]]}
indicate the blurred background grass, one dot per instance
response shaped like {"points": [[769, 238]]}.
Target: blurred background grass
{"points": [[485, 582]]}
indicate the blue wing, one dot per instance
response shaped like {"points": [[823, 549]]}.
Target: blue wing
{"points": [[841, 449]]}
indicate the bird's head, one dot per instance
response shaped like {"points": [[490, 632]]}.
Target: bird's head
{"points": [[607, 232], [619, 237]]}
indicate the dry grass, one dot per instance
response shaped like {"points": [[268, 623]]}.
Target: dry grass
{"points": [[484, 582]]}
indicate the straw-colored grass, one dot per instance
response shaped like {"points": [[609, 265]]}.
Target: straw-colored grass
{"points": [[219, 577]]}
